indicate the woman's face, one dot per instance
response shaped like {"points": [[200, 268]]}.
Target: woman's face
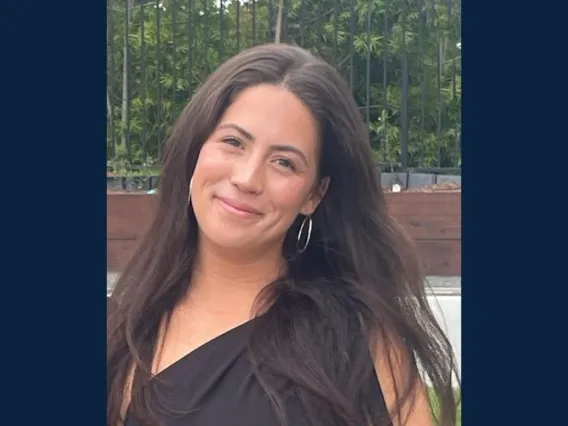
{"points": [[257, 170]]}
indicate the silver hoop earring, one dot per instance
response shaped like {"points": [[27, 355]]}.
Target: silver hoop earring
{"points": [[189, 195], [305, 246]]}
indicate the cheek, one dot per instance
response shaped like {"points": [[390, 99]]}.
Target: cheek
{"points": [[211, 166], [288, 194]]}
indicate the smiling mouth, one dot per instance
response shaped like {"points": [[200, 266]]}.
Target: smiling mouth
{"points": [[237, 208]]}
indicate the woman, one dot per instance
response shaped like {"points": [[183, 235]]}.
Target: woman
{"points": [[272, 287]]}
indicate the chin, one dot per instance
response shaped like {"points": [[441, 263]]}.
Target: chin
{"points": [[228, 239]]}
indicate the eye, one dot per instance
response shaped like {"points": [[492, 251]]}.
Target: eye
{"points": [[229, 140], [284, 162]]}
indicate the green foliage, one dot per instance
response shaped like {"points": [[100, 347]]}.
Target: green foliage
{"points": [[172, 48]]}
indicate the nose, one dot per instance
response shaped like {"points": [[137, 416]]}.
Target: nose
{"points": [[248, 176]]}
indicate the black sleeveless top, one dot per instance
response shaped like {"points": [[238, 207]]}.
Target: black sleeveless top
{"points": [[214, 386]]}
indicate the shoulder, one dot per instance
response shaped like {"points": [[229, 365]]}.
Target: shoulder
{"points": [[403, 390]]}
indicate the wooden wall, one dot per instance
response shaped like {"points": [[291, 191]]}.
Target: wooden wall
{"points": [[433, 220]]}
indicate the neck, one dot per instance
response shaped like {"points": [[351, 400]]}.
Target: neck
{"points": [[227, 282]]}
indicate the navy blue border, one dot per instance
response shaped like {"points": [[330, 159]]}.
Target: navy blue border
{"points": [[54, 212], [512, 149]]}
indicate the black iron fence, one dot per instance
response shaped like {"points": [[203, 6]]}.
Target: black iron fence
{"points": [[401, 58]]}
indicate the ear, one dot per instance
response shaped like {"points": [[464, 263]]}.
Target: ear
{"points": [[315, 197]]}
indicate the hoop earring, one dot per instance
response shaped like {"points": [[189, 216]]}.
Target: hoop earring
{"points": [[305, 246], [189, 195]]}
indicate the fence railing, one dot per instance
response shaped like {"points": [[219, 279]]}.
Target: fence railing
{"points": [[401, 58]]}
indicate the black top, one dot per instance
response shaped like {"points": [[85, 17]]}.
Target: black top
{"points": [[216, 383]]}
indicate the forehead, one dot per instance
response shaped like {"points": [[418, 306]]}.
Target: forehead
{"points": [[273, 114]]}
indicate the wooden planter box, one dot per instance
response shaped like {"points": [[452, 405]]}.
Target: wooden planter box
{"points": [[433, 220]]}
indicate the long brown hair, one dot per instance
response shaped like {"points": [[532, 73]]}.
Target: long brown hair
{"points": [[358, 278]]}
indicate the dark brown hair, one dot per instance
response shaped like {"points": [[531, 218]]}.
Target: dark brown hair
{"points": [[358, 281]]}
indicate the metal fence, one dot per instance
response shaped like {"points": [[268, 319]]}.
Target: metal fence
{"points": [[401, 58]]}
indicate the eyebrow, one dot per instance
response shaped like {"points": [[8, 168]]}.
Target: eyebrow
{"points": [[277, 147], [239, 129]]}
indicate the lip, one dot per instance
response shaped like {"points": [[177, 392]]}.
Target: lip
{"points": [[238, 207]]}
